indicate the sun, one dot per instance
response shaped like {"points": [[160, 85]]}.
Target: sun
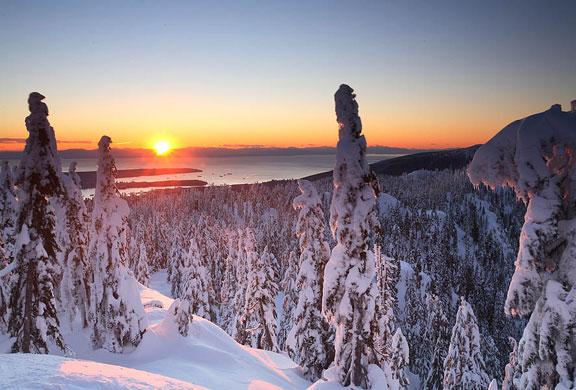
{"points": [[161, 147]]}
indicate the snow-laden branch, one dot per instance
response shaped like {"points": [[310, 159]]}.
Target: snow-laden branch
{"points": [[9, 268]]}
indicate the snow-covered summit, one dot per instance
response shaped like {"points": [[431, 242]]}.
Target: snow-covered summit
{"points": [[511, 157]]}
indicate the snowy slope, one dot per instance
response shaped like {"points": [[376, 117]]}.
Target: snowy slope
{"points": [[208, 357], [19, 371]]}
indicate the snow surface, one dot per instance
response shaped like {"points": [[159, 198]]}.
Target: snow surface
{"points": [[33, 371], [207, 358]]}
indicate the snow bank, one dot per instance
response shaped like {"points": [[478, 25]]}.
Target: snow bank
{"points": [[207, 357], [31, 371]]}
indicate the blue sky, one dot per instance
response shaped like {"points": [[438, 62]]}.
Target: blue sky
{"points": [[432, 67]]}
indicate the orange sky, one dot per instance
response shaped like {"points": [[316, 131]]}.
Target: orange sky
{"points": [[139, 124], [431, 75]]}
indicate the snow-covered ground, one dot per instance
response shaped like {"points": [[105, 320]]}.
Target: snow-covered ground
{"points": [[207, 358]]}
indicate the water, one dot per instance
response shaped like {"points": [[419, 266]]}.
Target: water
{"points": [[226, 170]]}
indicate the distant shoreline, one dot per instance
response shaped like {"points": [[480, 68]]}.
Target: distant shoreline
{"points": [[88, 179]]}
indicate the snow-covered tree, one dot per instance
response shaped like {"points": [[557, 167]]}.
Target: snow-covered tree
{"points": [[140, 269], [290, 301], [244, 257], [77, 270], [512, 369], [350, 291], [33, 320], [179, 313], [464, 366], [4, 289], [195, 282], [308, 342], [536, 156], [399, 358], [177, 261], [438, 337], [387, 275], [227, 292], [119, 319], [259, 314], [8, 208]]}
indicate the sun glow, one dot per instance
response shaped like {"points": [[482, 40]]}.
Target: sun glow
{"points": [[161, 147]]}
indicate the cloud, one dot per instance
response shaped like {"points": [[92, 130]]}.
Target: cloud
{"points": [[12, 140], [73, 142], [4, 141]]}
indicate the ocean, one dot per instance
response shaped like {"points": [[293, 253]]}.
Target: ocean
{"points": [[224, 170]]}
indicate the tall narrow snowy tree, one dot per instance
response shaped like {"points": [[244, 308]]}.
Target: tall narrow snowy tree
{"points": [[259, 314], [290, 301], [4, 289], [399, 359], [8, 208], [464, 366], [141, 270], [195, 282], [308, 342], [350, 291], [387, 276], [77, 268], [228, 289], [119, 318], [245, 256], [536, 157], [33, 318]]}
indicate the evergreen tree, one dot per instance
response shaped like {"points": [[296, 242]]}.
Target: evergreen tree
{"points": [[308, 342], [399, 358], [245, 257], [387, 276], [464, 366], [438, 335], [259, 314], [4, 289], [415, 312], [141, 271], [535, 157], [350, 291], [77, 268], [512, 369], [8, 209], [33, 320], [119, 318], [179, 312], [195, 283], [290, 301], [229, 285]]}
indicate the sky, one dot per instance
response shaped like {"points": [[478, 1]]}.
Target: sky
{"points": [[231, 73]]}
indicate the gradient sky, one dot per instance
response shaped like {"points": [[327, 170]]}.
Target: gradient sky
{"points": [[428, 74]]}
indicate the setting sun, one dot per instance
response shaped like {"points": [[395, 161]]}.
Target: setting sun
{"points": [[161, 148]]}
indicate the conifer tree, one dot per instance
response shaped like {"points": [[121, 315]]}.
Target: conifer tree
{"points": [[387, 276], [141, 270], [291, 293], [308, 342], [535, 157], [8, 209], [350, 291], [195, 282], [77, 268], [245, 257], [399, 358], [259, 314], [33, 320], [119, 318], [464, 366]]}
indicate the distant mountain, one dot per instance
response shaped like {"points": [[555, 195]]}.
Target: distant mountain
{"points": [[431, 161], [215, 152]]}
